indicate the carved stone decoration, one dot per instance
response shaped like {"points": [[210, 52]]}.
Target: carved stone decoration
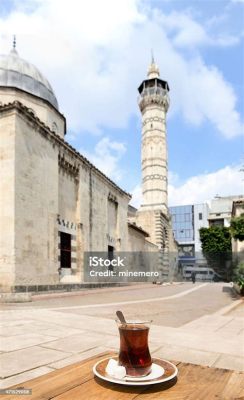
{"points": [[154, 99], [155, 176], [153, 119], [70, 167], [154, 139], [69, 225], [113, 198]]}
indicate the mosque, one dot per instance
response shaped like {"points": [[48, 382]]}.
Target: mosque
{"points": [[54, 203]]}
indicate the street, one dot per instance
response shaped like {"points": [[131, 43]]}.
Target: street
{"points": [[201, 323]]}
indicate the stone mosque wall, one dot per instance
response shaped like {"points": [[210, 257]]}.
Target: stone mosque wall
{"points": [[54, 204], [50, 189], [36, 204], [7, 199]]}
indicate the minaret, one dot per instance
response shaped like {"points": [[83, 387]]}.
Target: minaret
{"points": [[154, 103], [153, 213]]}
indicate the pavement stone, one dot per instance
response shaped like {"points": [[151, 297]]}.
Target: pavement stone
{"points": [[235, 309], [230, 362], [207, 323], [187, 355], [25, 376], [78, 357], [78, 343], [19, 361], [12, 343], [67, 320]]}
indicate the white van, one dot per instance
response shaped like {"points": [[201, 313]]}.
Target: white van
{"points": [[202, 273]]}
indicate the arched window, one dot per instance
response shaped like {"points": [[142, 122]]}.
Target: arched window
{"points": [[54, 127]]}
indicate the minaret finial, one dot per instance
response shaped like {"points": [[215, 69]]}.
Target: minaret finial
{"points": [[13, 51], [14, 42], [153, 71]]}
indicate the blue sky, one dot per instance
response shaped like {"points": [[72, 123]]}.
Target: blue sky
{"points": [[95, 54]]}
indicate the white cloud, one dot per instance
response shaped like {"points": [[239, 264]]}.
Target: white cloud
{"points": [[201, 188], [106, 156], [95, 54], [198, 189], [136, 193], [185, 32]]}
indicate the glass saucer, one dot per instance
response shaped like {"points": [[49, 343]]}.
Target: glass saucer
{"points": [[162, 371]]}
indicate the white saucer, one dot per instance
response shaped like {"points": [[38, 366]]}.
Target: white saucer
{"points": [[156, 372], [162, 371]]}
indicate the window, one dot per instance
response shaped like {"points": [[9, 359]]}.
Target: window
{"points": [[216, 222], [200, 216], [187, 217], [54, 127], [65, 250], [110, 256], [187, 233]]}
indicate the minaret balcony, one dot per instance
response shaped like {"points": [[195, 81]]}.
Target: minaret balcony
{"points": [[153, 95], [153, 91]]}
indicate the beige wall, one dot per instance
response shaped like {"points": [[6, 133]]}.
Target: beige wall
{"points": [[47, 188], [51, 117], [36, 206], [7, 199], [138, 241]]}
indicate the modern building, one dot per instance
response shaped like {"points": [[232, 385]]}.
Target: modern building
{"points": [[221, 210], [186, 221], [238, 245], [55, 204]]}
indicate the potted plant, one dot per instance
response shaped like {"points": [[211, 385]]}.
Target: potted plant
{"points": [[239, 278]]}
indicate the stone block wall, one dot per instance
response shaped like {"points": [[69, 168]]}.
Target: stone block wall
{"points": [[7, 200], [36, 205]]}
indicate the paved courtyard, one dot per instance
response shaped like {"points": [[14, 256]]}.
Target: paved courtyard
{"points": [[201, 324]]}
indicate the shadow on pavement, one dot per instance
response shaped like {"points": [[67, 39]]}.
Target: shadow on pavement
{"points": [[231, 292]]}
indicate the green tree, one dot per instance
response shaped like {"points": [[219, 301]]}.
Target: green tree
{"points": [[216, 247], [237, 227]]}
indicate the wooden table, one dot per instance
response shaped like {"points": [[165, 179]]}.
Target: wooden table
{"points": [[76, 381]]}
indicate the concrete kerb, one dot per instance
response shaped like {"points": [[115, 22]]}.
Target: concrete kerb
{"points": [[83, 292], [22, 297], [15, 297], [227, 309]]}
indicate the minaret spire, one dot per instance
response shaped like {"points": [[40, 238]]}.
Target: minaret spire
{"points": [[13, 51], [14, 42], [153, 70]]}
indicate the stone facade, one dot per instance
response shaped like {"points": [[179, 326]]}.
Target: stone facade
{"points": [[41, 108], [47, 188], [55, 205]]}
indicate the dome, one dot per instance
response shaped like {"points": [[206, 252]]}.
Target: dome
{"points": [[18, 73]]}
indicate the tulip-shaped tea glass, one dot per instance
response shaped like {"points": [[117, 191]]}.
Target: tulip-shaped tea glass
{"points": [[134, 353]]}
